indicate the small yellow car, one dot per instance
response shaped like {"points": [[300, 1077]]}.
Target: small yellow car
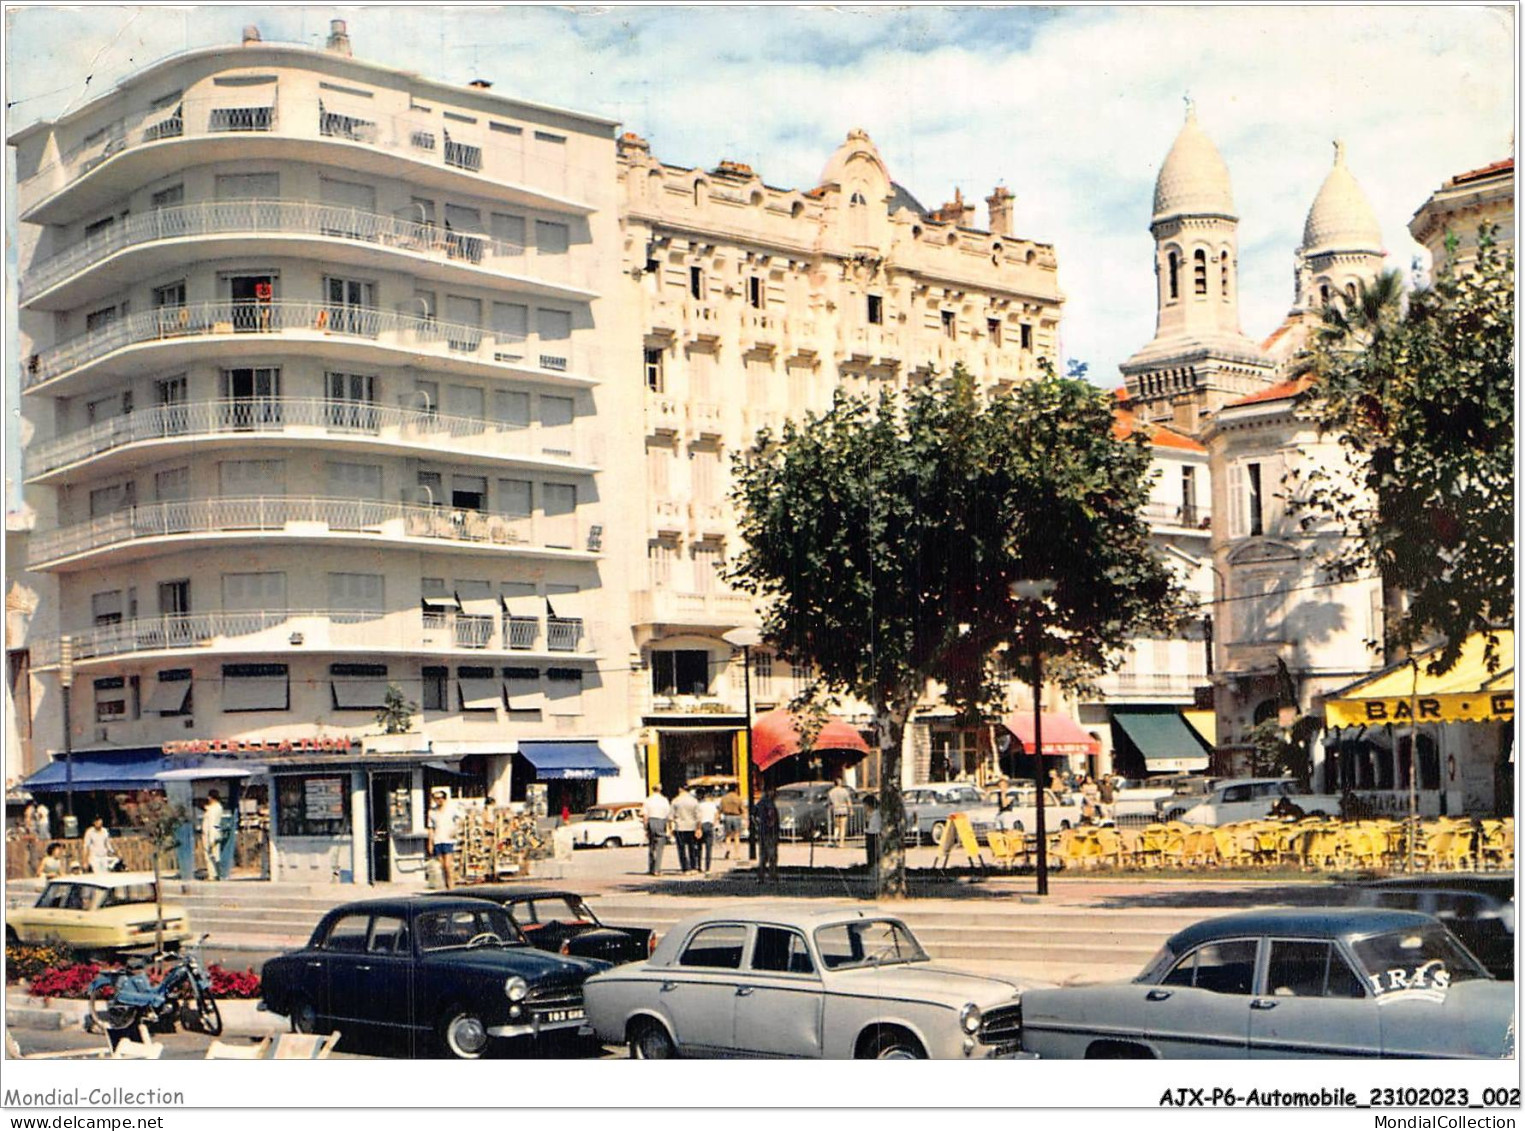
{"points": [[110, 911]]}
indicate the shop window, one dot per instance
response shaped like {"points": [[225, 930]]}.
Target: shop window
{"points": [[313, 805]]}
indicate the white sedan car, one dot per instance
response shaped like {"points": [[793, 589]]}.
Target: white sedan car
{"points": [[829, 983], [609, 826], [1021, 812]]}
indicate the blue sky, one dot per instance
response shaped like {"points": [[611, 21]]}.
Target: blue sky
{"points": [[1072, 108]]}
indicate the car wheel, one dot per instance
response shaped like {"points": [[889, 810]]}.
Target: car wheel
{"points": [[649, 1041], [1063, 825], [614, 842], [938, 828], [11, 937], [464, 1034], [304, 1017], [891, 1044]]}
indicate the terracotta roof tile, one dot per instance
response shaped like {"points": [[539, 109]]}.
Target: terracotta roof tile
{"points": [[1506, 165], [1125, 424], [1282, 392]]}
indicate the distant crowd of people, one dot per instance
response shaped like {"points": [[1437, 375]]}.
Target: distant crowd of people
{"points": [[693, 823]]}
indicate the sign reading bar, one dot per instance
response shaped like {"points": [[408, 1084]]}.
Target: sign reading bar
{"points": [[1481, 706], [338, 745]]}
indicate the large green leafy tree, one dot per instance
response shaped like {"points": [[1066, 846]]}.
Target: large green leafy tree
{"points": [[1421, 395], [884, 539]]}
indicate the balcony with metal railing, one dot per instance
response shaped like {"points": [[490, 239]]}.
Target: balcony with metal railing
{"points": [[295, 420], [470, 258], [410, 144], [1191, 518], [322, 630], [146, 528], [359, 333]]}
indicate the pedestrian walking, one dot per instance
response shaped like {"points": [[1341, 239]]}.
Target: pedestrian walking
{"points": [[840, 798], [685, 826], [1107, 791], [657, 811], [871, 827], [42, 827], [442, 830], [731, 809], [212, 835], [1090, 801], [709, 817], [766, 831], [97, 847]]}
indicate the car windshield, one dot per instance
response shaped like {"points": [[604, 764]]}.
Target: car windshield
{"points": [[794, 793], [129, 893], [552, 909], [598, 815], [867, 942], [1425, 957], [462, 927]]}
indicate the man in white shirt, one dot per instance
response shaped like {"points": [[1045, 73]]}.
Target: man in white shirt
{"points": [[709, 819], [212, 835], [685, 820], [840, 798], [442, 822], [98, 846], [656, 811]]}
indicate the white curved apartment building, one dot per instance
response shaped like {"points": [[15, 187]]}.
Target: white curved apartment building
{"points": [[311, 370]]}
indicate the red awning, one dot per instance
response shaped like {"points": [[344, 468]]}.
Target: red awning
{"points": [[776, 736], [1061, 734]]}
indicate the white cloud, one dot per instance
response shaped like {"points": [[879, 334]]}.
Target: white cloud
{"points": [[1073, 109]]}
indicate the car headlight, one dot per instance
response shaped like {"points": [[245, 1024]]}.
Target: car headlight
{"points": [[970, 1017], [516, 988]]}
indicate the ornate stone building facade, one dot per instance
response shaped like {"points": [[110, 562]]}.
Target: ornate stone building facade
{"points": [[754, 303]]}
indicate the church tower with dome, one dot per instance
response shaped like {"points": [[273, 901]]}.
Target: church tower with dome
{"points": [[1199, 357], [1340, 255]]}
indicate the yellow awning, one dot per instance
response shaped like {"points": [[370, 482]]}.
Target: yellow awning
{"points": [[1468, 693], [1204, 723]]}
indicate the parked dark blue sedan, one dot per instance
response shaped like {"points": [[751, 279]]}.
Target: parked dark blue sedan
{"points": [[450, 973]]}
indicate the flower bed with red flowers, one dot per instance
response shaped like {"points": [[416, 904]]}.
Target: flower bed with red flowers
{"points": [[73, 981]]}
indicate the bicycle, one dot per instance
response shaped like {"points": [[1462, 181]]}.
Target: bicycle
{"points": [[123, 997]]}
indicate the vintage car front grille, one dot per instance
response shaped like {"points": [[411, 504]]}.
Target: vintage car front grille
{"points": [[554, 999], [1001, 1026]]}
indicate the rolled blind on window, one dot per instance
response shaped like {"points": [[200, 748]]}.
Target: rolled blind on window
{"points": [[348, 194], [464, 220], [555, 412], [479, 694], [510, 320], [463, 311], [521, 600], [172, 484], [477, 598], [358, 694], [564, 603], [354, 480], [246, 477], [255, 692], [523, 693], [564, 694], [551, 238], [248, 186], [356, 592], [508, 230], [515, 497], [253, 592], [463, 400], [511, 408], [106, 604], [168, 697], [553, 325], [558, 498]]}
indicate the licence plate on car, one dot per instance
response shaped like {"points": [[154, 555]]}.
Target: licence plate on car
{"points": [[564, 1015]]}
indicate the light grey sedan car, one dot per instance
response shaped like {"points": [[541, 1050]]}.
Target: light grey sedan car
{"points": [[835, 983], [1324, 982]]}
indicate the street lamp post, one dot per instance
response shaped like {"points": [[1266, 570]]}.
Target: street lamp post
{"points": [[65, 685], [1033, 593], [746, 639]]}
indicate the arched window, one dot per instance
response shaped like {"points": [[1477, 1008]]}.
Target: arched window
{"points": [[1175, 275], [1223, 274], [1199, 272], [857, 198], [1323, 293], [1350, 295]]}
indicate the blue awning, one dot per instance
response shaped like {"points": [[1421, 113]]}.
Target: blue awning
{"points": [[134, 768], [568, 761]]}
